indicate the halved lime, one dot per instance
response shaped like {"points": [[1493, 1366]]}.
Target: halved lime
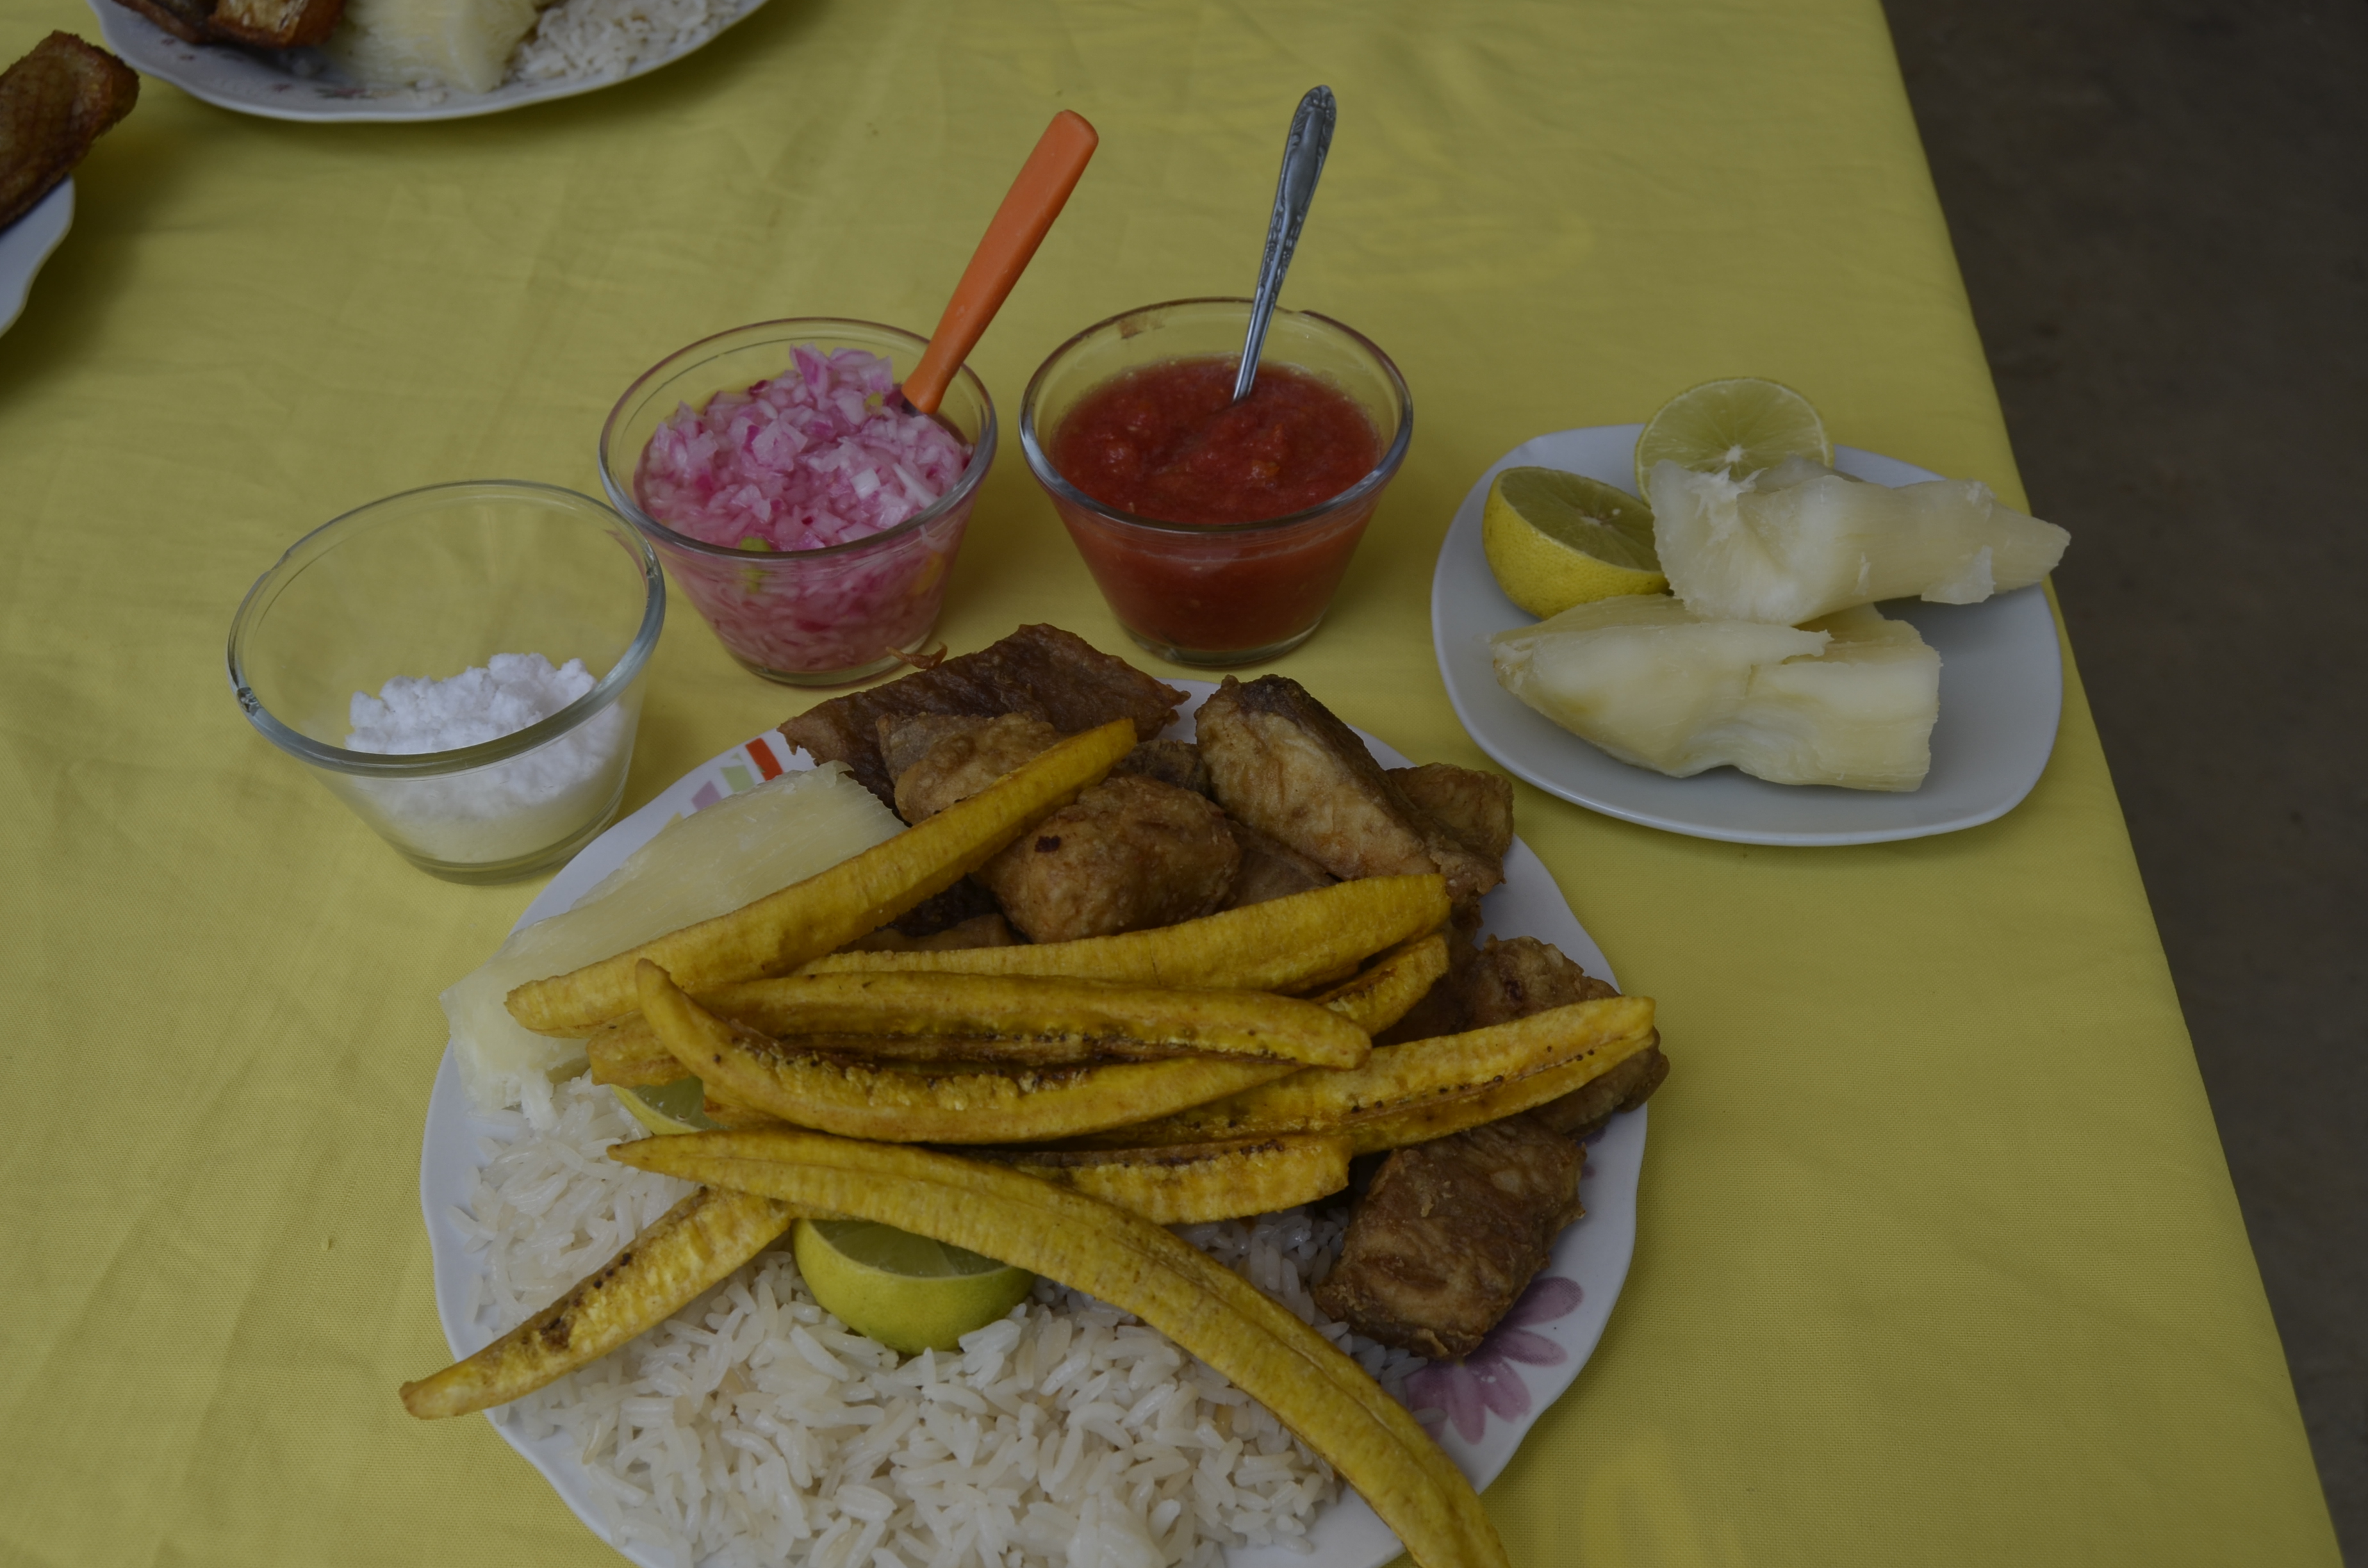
{"points": [[906, 1291], [1556, 539], [1738, 427], [667, 1108]]}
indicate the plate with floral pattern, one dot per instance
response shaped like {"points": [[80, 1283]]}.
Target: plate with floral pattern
{"points": [[1478, 1409]]}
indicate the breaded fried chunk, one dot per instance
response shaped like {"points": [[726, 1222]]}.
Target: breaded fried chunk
{"points": [[275, 24], [967, 760], [1128, 854], [1449, 1234], [1281, 762], [53, 103], [1053, 674], [1170, 762], [1270, 870], [1476, 807], [1506, 981], [1591, 1105], [184, 19]]}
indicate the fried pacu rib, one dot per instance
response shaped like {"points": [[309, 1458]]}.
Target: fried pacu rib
{"points": [[1449, 1234], [1476, 807], [1170, 762], [53, 103], [965, 758], [1127, 855], [1281, 762], [1270, 869], [1041, 670], [275, 24], [184, 19]]}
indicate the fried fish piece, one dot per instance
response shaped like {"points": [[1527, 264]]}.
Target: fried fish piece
{"points": [[275, 24], [1281, 762], [1476, 807], [1270, 869], [184, 19], [1128, 855], [1449, 1234], [1509, 980], [1044, 671], [967, 757], [53, 103], [1170, 762]]}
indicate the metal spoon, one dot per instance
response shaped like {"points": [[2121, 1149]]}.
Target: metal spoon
{"points": [[1303, 164]]}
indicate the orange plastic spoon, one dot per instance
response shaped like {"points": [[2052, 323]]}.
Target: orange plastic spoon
{"points": [[1035, 200]]}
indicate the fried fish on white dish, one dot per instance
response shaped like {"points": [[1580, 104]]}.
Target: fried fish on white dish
{"points": [[1848, 701], [1800, 540]]}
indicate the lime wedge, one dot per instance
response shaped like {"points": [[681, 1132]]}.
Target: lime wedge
{"points": [[1738, 427], [1556, 539], [667, 1108], [906, 1291]]}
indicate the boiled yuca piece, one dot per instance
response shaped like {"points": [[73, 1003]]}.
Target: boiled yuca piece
{"points": [[465, 44], [700, 865], [1848, 701], [1800, 540]]}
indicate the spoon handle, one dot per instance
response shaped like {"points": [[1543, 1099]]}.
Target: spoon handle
{"points": [[1303, 164], [1017, 228]]}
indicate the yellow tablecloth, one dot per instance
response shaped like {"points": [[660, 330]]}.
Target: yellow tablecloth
{"points": [[1938, 1261]]}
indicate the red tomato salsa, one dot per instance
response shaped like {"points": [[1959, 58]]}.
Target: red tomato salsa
{"points": [[1167, 441]]}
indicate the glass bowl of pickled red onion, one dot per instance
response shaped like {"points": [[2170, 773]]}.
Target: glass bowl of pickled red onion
{"points": [[810, 515]]}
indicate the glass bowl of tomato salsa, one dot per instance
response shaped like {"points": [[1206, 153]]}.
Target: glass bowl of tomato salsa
{"points": [[1217, 531], [801, 575]]}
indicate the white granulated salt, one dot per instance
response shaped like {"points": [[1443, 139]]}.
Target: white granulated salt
{"points": [[503, 810], [413, 715]]}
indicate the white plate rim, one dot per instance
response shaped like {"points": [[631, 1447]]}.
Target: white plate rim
{"points": [[27, 242], [1594, 1253], [244, 82], [2009, 695]]}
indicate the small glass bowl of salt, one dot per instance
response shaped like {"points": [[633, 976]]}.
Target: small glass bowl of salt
{"points": [[463, 667]]}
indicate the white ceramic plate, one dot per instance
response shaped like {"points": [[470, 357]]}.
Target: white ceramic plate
{"points": [[1489, 1401], [2001, 694], [302, 84], [26, 243]]}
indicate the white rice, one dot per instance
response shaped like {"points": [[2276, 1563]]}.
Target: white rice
{"points": [[751, 1428], [599, 40]]}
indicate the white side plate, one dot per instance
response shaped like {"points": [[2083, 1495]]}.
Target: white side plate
{"points": [[1491, 1399], [2001, 694], [26, 243], [302, 84]]}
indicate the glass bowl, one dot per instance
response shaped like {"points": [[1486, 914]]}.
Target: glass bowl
{"points": [[821, 617], [429, 584], [1217, 594]]}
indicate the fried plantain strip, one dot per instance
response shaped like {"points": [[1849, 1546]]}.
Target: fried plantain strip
{"points": [[1376, 997], [625, 1053], [1398, 1078], [1186, 1182], [1285, 944], [1137, 1267], [691, 1245], [1422, 1122], [1030, 1020], [859, 1100], [807, 919]]}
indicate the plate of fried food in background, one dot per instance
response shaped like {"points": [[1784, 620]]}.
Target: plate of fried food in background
{"points": [[1245, 1299], [404, 60], [53, 103], [2000, 696]]}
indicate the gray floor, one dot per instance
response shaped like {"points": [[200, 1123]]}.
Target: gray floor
{"points": [[2161, 209]]}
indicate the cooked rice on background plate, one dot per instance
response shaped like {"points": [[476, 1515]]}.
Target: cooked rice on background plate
{"points": [[753, 1428]]}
